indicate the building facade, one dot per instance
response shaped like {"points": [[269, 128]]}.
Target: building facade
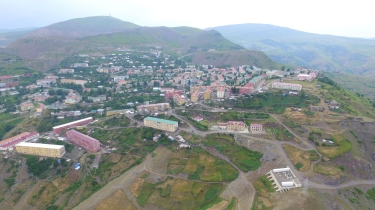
{"points": [[256, 128], [59, 128], [194, 97], [207, 94], [75, 81], [82, 140], [45, 150], [161, 124], [178, 100], [150, 108], [286, 86], [236, 125], [220, 92], [10, 142]]}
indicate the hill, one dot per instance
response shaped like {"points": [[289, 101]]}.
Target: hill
{"points": [[181, 38], [233, 58], [82, 27], [7, 36], [286, 45]]}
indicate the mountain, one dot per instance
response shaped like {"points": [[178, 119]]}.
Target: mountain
{"points": [[45, 48], [82, 27], [7, 36], [285, 45]]}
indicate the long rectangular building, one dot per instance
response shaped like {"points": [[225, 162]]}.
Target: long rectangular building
{"points": [[59, 128], [82, 140], [10, 142], [161, 124], [144, 109], [286, 86], [45, 150]]}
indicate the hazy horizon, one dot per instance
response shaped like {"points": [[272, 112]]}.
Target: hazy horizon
{"points": [[350, 19]]}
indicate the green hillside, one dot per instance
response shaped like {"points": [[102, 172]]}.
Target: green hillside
{"points": [[6, 38], [359, 84], [182, 37], [233, 58], [82, 27], [286, 45]]}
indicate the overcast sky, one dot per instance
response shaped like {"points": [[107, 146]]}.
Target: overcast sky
{"points": [[344, 18]]}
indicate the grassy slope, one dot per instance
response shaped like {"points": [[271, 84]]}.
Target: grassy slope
{"points": [[286, 45], [356, 83]]}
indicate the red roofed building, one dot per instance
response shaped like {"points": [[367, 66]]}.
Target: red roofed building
{"points": [[83, 140], [236, 125], [10, 142], [169, 95], [198, 118]]}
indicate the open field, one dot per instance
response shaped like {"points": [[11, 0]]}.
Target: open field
{"points": [[200, 165], [117, 200], [327, 169], [241, 156], [342, 146], [179, 194], [193, 138], [301, 159]]}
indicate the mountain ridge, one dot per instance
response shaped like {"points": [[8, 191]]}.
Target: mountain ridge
{"points": [[285, 45]]}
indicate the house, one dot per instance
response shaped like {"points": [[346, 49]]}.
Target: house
{"points": [[26, 106], [66, 71], [198, 118]]}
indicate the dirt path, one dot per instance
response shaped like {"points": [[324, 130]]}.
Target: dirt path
{"points": [[122, 182]]}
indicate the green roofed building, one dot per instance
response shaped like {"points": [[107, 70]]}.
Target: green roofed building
{"points": [[161, 124]]}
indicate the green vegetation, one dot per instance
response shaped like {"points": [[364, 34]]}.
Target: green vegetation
{"points": [[370, 194], [232, 204], [200, 165], [298, 166], [342, 146], [9, 121], [349, 101], [242, 116], [179, 194], [304, 49], [36, 167], [241, 156], [122, 121], [275, 102], [68, 147], [198, 125]]}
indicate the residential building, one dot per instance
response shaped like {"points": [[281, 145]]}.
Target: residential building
{"points": [[59, 128], [66, 71], [80, 65], [256, 128], [220, 92], [82, 140], [161, 124], [97, 98], [10, 142], [256, 81], [45, 82], [198, 118], [26, 106], [45, 150], [150, 108], [75, 81], [207, 94], [316, 108], [236, 125], [169, 95], [286, 86], [283, 179], [194, 97], [178, 100]]}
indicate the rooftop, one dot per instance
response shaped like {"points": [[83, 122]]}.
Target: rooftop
{"points": [[161, 120], [38, 145]]}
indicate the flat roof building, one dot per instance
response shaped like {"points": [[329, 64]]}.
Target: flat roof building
{"points": [[45, 150], [161, 124], [286, 86], [283, 179]]}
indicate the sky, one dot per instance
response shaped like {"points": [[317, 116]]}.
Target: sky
{"points": [[343, 18]]}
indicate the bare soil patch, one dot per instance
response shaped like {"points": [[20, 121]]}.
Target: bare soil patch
{"points": [[117, 200]]}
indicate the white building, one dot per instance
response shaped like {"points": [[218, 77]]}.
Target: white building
{"points": [[283, 179], [286, 86]]}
